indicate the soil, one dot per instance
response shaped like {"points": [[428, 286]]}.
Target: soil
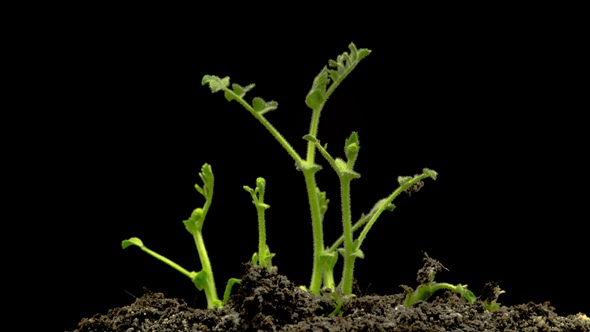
{"points": [[268, 301]]}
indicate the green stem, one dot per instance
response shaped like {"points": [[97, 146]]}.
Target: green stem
{"points": [[348, 244], [166, 261], [384, 205], [261, 237], [273, 131], [313, 130], [209, 286], [356, 226], [318, 235]]}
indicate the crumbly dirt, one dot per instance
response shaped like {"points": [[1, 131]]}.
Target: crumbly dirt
{"points": [[268, 301]]}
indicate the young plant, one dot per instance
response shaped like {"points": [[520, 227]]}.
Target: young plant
{"points": [[428, 286], [263, 256], [203, 279], [489, 296], [324, 84]]}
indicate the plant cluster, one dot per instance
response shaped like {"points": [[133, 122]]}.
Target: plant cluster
{"points": [[324, 257]]}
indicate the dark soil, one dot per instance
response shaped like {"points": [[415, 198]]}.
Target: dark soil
{"points": [[268, 301]]}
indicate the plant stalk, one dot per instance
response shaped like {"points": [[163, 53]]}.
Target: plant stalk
{"points": [[209, 286], [348, 241]]}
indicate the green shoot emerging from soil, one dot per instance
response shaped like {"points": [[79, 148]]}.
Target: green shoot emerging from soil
{"points": [[428, 286], [203, 279], [324, 257]]}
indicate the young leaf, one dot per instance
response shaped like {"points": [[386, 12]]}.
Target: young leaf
{"points": [[358, 254], [315, 97], [215, 83], [240, 90], [343, 65], [194, 224], [351, 149], [261, 106], [208, 179], [323, 201], [200, 280], [134, 241], [310, 138], [431, 173]]}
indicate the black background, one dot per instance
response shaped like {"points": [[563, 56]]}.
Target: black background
{"points": [[487, 101]]}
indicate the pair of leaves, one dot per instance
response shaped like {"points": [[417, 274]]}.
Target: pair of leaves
{"points": [[238, 92]]}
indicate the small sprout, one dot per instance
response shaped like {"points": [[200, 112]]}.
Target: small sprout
{"points": [[428, 286], [489, 296]]}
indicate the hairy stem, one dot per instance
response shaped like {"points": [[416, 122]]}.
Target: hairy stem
{"points": [[318, 234], [209, 286], [348, 244], [273, 131]]}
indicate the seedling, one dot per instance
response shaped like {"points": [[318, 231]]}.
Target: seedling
{"points": [[203, 279], [428, 286], [263, 256], [489, 296], [324, 257]]}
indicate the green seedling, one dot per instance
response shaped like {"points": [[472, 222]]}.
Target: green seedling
{"points": [[324, 84], [489, 296], [324, 257], [263, 256], [203, 279], [428, 286]]}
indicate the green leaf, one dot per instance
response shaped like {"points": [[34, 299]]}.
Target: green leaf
{"points": [[323, 201], [241, 90], [351, 147], [250, 190], [331, 258], [215, 83], [310, 138], [238, 91], [208, 179], [431, 173], [194, 224], [358, 254], [309, 166], [266, 256], [347, 61], [469, 296], [315, 99], [200, 280], [341, 165], [316, 95], [134, 241], [363, 53], [261, 106]]}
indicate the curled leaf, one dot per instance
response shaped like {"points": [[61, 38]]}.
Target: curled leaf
{"points": [[134, 241]]}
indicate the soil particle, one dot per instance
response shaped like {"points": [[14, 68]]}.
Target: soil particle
{"points": [[268, 301]]}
